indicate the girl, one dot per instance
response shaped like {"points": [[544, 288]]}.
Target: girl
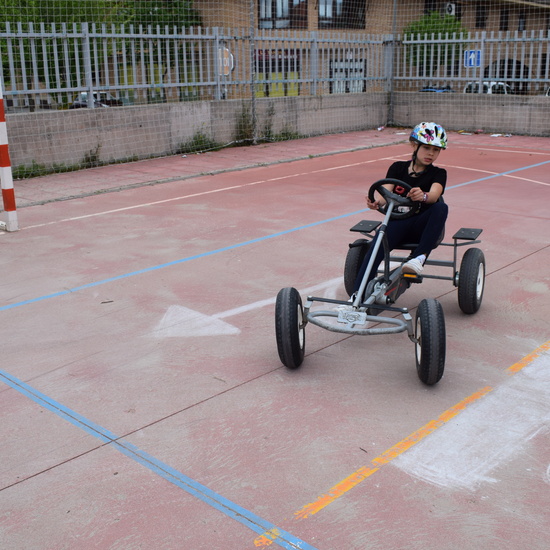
{"points": [[428, 184]]}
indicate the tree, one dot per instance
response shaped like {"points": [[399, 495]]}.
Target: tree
{"points": [[55, 11], [136, 12], [435, 25], [179, 13]]}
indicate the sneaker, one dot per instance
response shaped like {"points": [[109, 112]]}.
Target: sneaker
{"points": [[413, 266]]}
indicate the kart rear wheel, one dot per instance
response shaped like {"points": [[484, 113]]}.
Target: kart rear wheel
{"points": [[354, 258], [430, 341], [471, 280], [290, 327]]}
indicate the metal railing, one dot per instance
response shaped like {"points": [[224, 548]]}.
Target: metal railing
{"points": [[49, 67], [52, 66]]}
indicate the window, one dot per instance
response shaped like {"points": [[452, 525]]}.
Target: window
{"points": [[504, 19], [282, 14], [522, 21], [481, 15], [430, 5], [342, 14]]}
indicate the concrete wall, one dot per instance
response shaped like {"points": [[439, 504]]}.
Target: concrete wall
{"points": [[506, 114], [68, 138], [123, 133]]}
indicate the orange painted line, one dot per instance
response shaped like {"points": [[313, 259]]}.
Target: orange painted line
{"points": [[387, 456], [516, 367], [336, 492], [365, 472]]}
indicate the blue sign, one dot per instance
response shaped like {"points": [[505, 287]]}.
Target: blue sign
{"points": [[472, 58]]}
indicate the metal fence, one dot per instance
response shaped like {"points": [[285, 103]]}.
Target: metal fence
{"points": [[520, 60], [52, 67]]}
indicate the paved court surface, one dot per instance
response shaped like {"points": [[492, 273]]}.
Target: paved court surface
{"points": [[144, 404]]}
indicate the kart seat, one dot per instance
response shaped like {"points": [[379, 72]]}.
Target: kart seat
{"points": [[413, 246]]}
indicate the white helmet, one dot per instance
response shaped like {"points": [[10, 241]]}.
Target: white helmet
{"points": [[430, 133]]}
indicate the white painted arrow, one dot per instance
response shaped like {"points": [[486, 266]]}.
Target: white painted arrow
{"points": [[180, 321]]}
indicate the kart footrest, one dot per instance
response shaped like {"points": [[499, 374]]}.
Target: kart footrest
{"points": [[366, 226], [467, 234]]}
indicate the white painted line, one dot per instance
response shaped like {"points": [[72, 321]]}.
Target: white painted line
{"points": [[526, 152], [330, 287], [492, 173], [465, 452], [203, 193], [182, 322]]}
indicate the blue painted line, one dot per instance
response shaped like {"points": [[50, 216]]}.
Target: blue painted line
{"points": [[175, 262], [194, 488], [235, 246], [499, 174]]}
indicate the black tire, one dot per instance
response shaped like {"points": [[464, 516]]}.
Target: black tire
{"points": [[431, 345], [471, 280], [354, 258], [290, 327]]}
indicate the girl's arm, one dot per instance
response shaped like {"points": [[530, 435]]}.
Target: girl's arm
{"points": [[416, 194]]}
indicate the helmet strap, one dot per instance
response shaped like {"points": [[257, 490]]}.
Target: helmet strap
{"points": [[414, 157]]}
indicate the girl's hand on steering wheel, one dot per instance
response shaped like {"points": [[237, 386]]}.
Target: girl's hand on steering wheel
{"points": [[416, 194], [373, 205]]}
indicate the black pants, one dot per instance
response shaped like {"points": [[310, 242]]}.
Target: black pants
{"points": [[424, 228]]}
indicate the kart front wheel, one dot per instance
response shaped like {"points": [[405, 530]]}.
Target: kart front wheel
{"points": [[354, 259], [430, 343], [471, 280], [290, 327]]}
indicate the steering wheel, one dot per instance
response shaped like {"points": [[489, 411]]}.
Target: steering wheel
{"points": [[399, 200]]}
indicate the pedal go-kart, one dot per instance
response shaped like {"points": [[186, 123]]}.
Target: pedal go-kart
{"points": [[363, 317]]}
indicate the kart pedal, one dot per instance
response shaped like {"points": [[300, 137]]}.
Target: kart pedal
{"points": [[412, 277]]}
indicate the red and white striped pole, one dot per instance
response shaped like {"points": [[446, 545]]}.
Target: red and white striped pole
{"points": [[6, 177]]}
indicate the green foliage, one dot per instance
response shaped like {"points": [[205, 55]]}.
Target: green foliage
{"points": [[244, 132], [198, 144], [159, 12], [143, 12], [434, 24], [56, 11], [287, 134], [178, 13]]}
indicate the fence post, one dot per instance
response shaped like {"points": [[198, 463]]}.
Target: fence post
{"points": [[391, 70], [87, 58], [6, 178], [252, 61], [314, 56]]}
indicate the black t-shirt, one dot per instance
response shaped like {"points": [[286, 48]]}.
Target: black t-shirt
{"points": [[400, 170]]}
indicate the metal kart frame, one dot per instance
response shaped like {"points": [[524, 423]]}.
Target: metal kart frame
{"points": [[361, 315], [378, 292], [466, 235]]}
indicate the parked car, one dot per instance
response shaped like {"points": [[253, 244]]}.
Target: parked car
{"points": [[101, 99], [488, 88], [437, 89]]}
